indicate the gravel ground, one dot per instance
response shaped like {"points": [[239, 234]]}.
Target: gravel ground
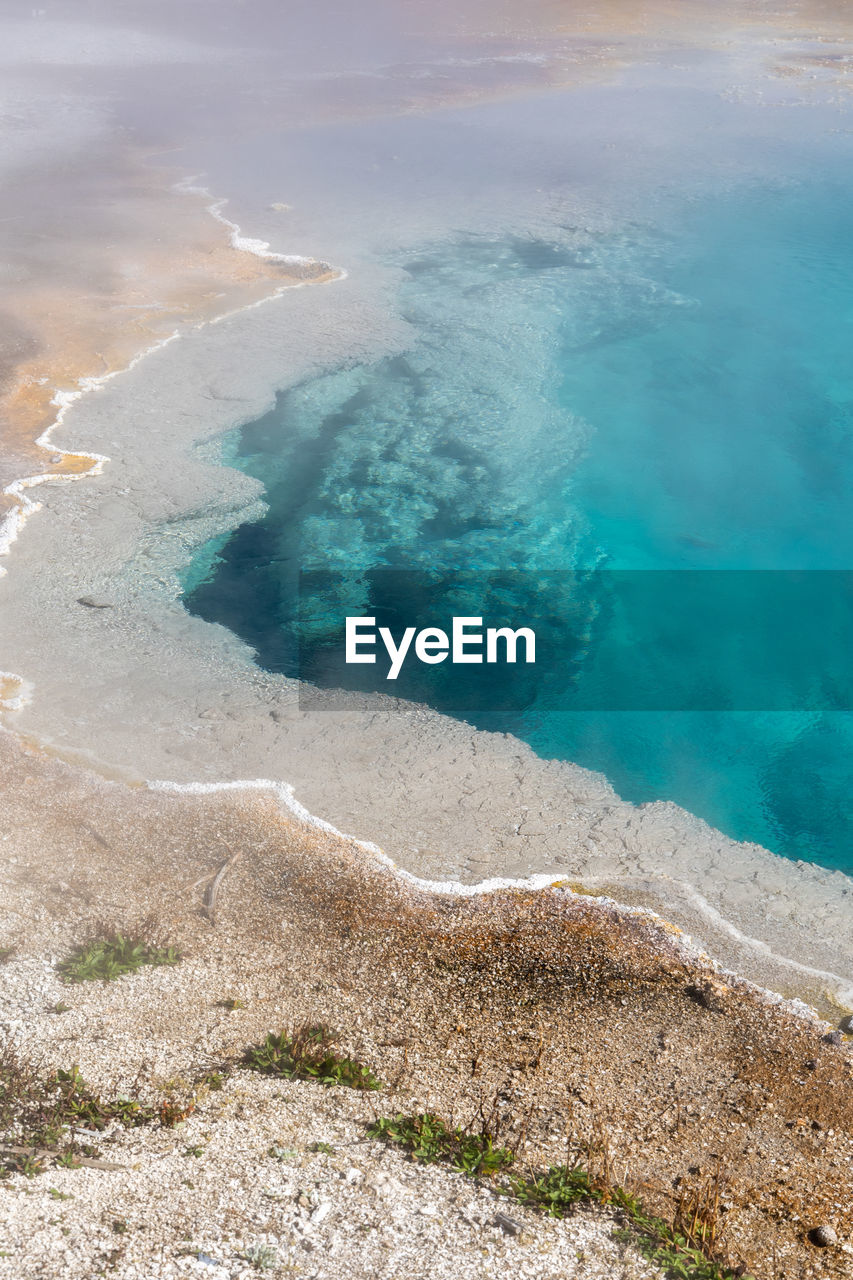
{"points": [[572, 1024], [198, 1200]]}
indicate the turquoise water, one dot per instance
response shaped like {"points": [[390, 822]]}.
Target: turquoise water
{"points": [[675, 399]]}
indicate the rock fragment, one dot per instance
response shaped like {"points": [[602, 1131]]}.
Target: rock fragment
{"points": [[823, 1236], [508, 1225], [92, 602]]}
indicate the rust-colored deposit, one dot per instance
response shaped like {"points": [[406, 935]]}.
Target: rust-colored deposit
{"points": [[134, 263]]}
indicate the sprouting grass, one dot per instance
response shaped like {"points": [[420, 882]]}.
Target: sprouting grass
{"points": [[308, 1054], [113, 956], [214, 1080], [428, 1139], [40, 1116], [282, 1153], [556, 1191], [53, 1118], [675, 1249], [685, 1250]]}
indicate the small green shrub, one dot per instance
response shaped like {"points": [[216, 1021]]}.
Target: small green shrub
{"points": [[307, 1054], [215, 1080], [282, 1153], [428, 1139], [560, 1188], [74, 1104], [112, 957], [670, 1248], [24, 1162], [556, 1191], [263, 1257], [41, 1116]]}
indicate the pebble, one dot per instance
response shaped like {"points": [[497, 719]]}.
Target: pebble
{"points": [[823, 1236], [508, 1225]]}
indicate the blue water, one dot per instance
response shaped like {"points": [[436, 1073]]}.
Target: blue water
{"points": [[677, 398]]}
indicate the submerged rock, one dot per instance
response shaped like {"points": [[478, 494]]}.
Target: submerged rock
{"points": [[92, 602]]}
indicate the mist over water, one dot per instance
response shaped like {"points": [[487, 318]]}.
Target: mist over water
{"points": [[671, 389]]}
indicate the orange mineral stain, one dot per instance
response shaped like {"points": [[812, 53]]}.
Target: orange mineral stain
{"points": [[166, 265]]}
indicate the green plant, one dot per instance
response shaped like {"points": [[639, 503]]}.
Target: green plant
{"points": [[556, 1190], [113, 956], [215, 1080], [322, 1148], [263, 1257], [681, 1252], [685, 1250], [24, 1162], [307, 1054], [428, 1139], [282, 1153], [44, 1113], [44, 1117]]}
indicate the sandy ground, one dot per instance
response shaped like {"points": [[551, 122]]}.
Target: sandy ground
{"points": [[572, 1018]]}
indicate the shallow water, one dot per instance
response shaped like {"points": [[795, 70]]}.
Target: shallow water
{"points": [[674, 392]]}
